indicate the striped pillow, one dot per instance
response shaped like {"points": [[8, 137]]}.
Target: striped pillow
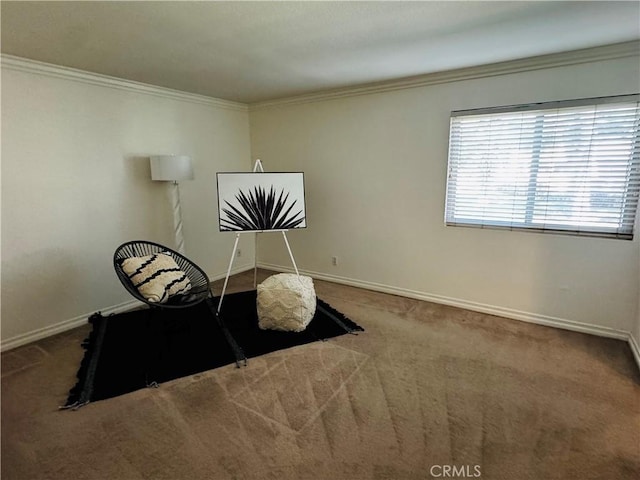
{"points": [[157, 277]]}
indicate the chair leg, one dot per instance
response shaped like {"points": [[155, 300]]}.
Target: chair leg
{"points": [[237, 350], [151, 348]]}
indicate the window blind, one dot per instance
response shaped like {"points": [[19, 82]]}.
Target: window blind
{"points": [[563, 167]]}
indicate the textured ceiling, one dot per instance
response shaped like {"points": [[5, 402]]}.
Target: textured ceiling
{"points": [[255, 51]]}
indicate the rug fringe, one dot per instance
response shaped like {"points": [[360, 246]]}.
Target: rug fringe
{"points": [[79, 395], [348, 325], [74, 406]]}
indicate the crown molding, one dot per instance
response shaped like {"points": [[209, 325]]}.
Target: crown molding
{"points": [[20, 64], [607, 52]]}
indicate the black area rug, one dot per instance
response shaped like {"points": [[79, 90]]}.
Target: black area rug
{"points": [[138, 349]]}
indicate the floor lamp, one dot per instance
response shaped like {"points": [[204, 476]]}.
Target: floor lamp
{"points": [[173, 168]]}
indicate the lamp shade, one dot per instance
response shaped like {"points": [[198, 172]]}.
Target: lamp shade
{"points": [[171, 168]]}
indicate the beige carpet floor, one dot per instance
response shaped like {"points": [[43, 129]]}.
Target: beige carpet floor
{"points": [[426, 389]]}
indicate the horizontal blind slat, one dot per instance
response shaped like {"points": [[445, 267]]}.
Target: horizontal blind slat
{"points": [[573, 168]]}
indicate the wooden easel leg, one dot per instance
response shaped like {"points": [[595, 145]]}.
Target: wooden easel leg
{"points": [[284, 235], [226, 280], [255, 262]]}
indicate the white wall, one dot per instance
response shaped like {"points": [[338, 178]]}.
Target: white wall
{"points": [[76, 184], [375, 170]]}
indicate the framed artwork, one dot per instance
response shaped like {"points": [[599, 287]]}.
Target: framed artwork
{"points": [[257, 202]]}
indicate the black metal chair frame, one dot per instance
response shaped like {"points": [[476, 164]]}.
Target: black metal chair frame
{"points": [[200, 285]]}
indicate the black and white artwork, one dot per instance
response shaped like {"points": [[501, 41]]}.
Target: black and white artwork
{"points": [[261, 201]]}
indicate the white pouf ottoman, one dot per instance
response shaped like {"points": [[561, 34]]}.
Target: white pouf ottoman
{"points": [[286, 302]]}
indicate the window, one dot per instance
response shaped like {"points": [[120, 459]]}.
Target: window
{"points": [[563, 167]]}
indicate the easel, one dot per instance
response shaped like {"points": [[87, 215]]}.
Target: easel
{"points": [[257, 166]]}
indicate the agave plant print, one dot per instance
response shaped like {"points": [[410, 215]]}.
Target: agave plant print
{"points": [[260, 201]]}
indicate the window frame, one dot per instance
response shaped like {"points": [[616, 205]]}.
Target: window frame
{"points": [[631, 194]]}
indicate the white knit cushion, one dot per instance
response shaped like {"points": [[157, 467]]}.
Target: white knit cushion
{"points": [[157, 277], [286, 302]]}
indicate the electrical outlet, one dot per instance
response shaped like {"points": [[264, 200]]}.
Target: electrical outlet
{"points": [[239, 253], [334, 261]]}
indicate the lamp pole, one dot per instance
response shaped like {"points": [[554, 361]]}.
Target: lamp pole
{"points": [[172, 168], [177, 218]]}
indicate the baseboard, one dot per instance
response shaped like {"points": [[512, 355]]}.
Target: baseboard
{"points": [[50, 330], [234, 271], [538, 319], [635, 348], [529, 317]]}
